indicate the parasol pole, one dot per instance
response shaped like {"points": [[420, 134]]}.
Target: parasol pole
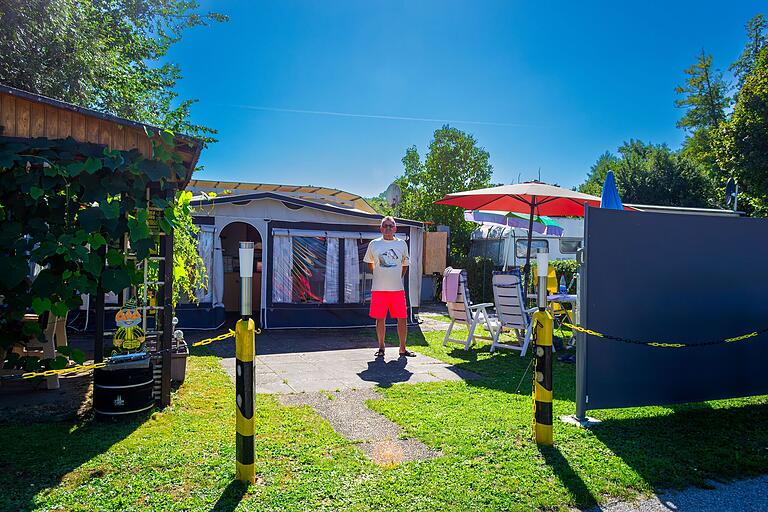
{"points": [[527, 268]]}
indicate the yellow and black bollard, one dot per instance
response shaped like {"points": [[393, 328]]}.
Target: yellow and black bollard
{"points": [[542, 372], [245, 350], [245, 338]]}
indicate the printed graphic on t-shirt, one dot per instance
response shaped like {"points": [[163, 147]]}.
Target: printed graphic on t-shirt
{"points": [[390, 258]]}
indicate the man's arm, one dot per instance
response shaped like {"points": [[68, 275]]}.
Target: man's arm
{"points": [[368, 258], [406, 260]]}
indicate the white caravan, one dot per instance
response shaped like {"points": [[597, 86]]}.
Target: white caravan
{"points": [[495, 241]]}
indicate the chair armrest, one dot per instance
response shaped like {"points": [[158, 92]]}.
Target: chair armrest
{"points": [[483, 305], [532, 310]]}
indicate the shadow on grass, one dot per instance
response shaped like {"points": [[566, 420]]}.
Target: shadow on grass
{"points": [[231, 497], [567, 476], [504, 370], [693, 445], [38, 456]]}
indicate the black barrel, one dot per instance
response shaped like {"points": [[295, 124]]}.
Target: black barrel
{"points": [[123, 388]]}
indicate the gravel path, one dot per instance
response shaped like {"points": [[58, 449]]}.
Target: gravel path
{"points": [[347, 413], [741, 496]]}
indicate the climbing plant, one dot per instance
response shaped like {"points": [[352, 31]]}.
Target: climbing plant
{"points": [[66, 206], [189, 272]]}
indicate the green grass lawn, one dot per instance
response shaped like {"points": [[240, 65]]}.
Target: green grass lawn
{"points": [[183, 458]]}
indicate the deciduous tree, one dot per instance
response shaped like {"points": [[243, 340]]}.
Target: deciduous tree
{"points": [[742, 142], [454, 163], [651, 174], [109, 55]]}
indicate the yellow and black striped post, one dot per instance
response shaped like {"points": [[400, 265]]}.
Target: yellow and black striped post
{"points": [[245, 350], [245, 341], [542, 382]]}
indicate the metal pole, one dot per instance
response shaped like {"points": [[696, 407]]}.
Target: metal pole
{"points": [[245, 350], [581, 339], [527, 268]]}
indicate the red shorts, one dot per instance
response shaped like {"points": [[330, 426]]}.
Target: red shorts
{"points": [[381, 301]]}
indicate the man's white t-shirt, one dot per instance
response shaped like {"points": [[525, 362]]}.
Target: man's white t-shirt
{"points": [[388, 258]]}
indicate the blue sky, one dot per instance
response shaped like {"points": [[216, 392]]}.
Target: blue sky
{"points": [[549, 85]]}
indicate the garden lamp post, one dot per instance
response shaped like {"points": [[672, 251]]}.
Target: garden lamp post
{"points": [[245, 349]]}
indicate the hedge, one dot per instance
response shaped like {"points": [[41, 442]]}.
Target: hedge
{"points": [[480, 275]]}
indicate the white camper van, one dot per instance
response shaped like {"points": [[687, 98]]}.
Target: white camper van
{"points": [[497, 242]]}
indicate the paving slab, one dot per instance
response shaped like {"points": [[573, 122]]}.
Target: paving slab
{"points": [[290, 361]]}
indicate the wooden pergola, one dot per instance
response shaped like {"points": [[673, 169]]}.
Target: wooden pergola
{"points": [[26, 115]]}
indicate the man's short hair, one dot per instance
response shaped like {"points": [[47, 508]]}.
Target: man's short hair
{"points": [[388, 217]]}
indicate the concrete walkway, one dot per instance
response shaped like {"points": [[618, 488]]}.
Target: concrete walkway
{"points": [[296, 361]]}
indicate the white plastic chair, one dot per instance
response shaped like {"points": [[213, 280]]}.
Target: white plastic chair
{"points": [[462, 311], [510, 311]]}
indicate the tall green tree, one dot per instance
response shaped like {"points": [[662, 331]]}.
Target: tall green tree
{"points": [[596, 175], [109, 55], [651, 174], [757, 39], [742, 143], [454, 163], [704, 96], [379, 203]]}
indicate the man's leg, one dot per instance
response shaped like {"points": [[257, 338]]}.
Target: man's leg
{"points": [[402, 332], [381, 329]]}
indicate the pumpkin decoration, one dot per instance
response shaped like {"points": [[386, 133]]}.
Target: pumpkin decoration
{"points": [[129, 335]]}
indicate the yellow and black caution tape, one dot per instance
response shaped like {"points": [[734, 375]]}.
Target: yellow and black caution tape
{"points": [[660, 344], [62, 371]]}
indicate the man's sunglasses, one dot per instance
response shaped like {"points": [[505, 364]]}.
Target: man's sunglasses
{"points": [[388, 226]]}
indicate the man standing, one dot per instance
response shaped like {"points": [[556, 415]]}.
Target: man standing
{"points": [[387, 259]]}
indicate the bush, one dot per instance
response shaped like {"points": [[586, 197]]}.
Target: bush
{"points": [[562, 267], [480, 276]]}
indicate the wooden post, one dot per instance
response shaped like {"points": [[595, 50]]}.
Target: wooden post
{"points": [[166, 273], [98, 343]]}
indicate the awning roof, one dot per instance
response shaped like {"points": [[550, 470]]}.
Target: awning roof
{"points": [[306, 192]]}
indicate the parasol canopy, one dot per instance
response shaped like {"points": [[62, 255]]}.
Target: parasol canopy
{"points": [[545, 199], [542, 224], [532, 198], [610, 197]]}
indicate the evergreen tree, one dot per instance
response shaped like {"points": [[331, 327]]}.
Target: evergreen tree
{"points": [[704, 96], [757, 39]]}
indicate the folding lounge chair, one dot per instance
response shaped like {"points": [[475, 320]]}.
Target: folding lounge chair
{"points": [[464, 312], [511, 314]]}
